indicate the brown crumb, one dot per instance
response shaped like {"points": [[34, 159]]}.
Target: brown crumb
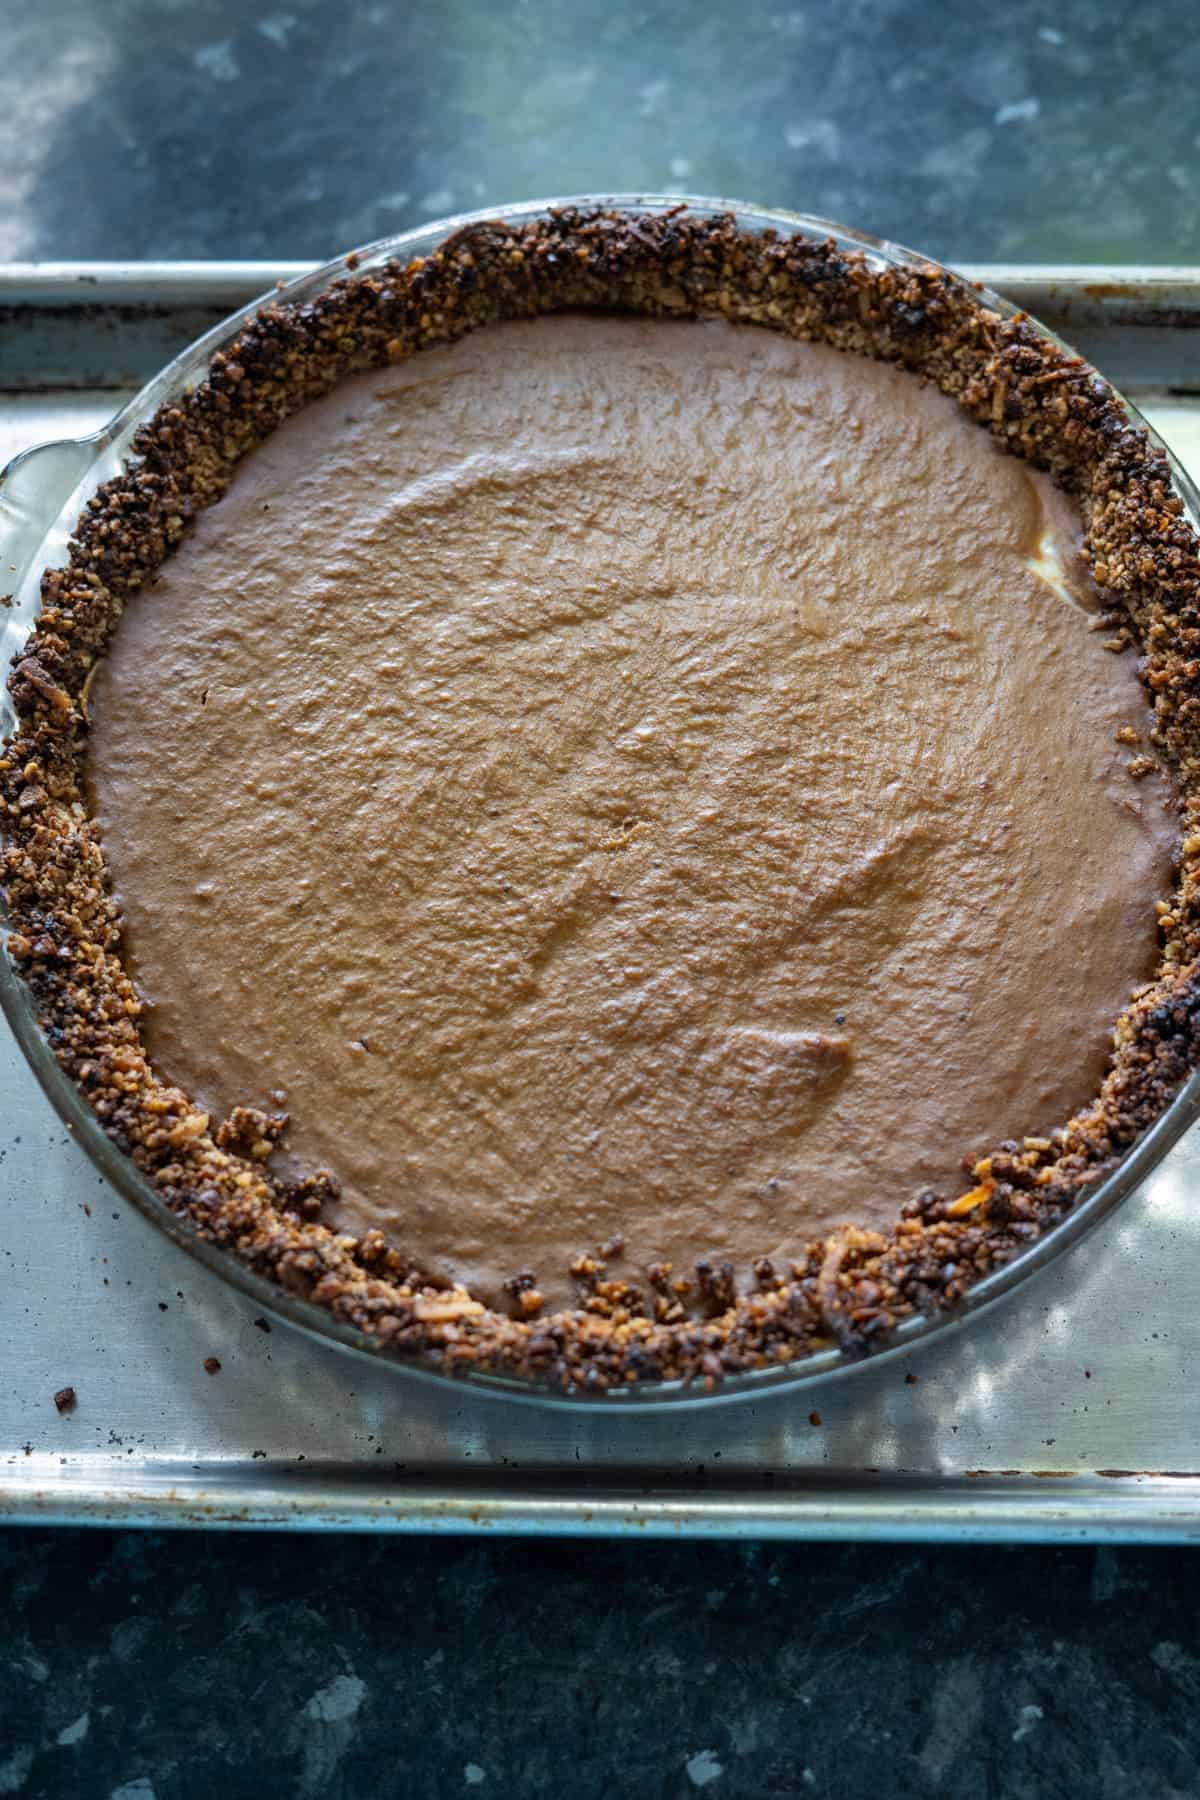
{"points": [[814, 1418], [262, 1325], [212, 1365], [65, 1399]]}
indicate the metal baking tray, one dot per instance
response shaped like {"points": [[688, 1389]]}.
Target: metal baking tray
{"points": [[1063, 1412]]}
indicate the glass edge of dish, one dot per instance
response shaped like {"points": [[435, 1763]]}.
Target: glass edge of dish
{"points": [[109, 442]]}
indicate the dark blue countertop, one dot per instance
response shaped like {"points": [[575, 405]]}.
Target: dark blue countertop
{"points": [[172, 1667], [158, 1668], [1065, 130]]}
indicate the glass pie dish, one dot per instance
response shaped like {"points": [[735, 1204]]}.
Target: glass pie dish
{"points": [[41, 499]]}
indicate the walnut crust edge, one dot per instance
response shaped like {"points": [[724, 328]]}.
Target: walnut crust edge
{"points": [[853, 1288]]}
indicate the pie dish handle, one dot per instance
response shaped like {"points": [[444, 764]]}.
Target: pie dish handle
{"points": [[37, 490], [34, 488]]}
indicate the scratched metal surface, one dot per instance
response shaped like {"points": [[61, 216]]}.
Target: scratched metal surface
{"points": [[1068, 1410]]}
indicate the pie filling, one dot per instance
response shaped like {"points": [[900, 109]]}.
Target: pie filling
{"points": [[627, 784]]}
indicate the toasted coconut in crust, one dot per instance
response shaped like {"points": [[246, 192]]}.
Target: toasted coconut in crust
{"points": [[852, 1289]]}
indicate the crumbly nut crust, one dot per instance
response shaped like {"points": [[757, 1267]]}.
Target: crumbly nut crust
{"points": [[850, 1290]]}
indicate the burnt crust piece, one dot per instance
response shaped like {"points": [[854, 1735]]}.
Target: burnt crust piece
{"points": [[64, 930]]}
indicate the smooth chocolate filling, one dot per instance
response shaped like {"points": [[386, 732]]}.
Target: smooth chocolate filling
{"points": [[623, 779]]}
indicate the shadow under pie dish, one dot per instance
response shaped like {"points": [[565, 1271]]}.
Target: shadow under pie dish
{"points": [[611, 806]]}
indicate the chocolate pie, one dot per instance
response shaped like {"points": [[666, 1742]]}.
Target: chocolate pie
{"points": [[617, 822]]}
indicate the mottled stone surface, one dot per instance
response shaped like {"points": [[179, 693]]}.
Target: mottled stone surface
{"points": [[1055, 129], [173, 1666]]}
